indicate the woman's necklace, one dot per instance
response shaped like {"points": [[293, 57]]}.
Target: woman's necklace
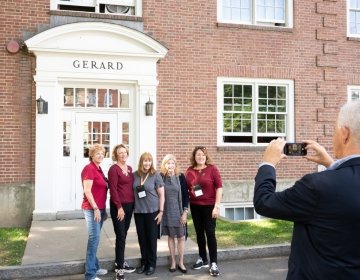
{"points": [[124, 169]]}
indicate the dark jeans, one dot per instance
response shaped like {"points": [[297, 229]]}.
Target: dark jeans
{"points": [[121, 229], [147, 231], [205, 224]]}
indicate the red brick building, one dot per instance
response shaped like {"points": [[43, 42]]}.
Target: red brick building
{"points": [[228, 75]]}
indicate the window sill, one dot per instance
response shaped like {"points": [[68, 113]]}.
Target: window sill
{"points": [[255, 27], [353, 39], [95, 15]]}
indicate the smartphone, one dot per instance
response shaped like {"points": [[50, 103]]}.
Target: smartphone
{"points": [[295, 149]]}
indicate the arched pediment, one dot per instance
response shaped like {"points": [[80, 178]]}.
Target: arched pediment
{"points": [[96, 38]]}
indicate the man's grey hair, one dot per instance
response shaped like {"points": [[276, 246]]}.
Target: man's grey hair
{"points": [[349, 116]]}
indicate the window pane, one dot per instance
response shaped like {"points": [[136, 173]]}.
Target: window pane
{"points": [[113, 98], [239, 214], [91, 97], [229, 213], [355, 94], [249, 213], [80, 97], [125, 133], [66, 139], [124, 99], [68, 97], [103, 98], [227, 90]]}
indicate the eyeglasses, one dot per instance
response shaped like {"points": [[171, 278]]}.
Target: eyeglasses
{"points": [[200, 148]]}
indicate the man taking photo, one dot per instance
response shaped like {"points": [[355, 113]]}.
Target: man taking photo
{"points": [[324, 206]]}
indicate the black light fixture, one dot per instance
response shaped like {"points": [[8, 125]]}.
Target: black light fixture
{"points": [[42, 106], [149, 106]]}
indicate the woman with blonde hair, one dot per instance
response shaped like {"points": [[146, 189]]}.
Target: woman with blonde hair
{"points": [[175, 209], [149, 208], [121, 180], [94, 207]]}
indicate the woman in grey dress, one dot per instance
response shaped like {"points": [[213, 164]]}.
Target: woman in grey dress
{"points": [[175, 210]]}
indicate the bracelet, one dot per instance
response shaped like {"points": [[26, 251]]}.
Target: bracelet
{"points": [[161, 210], [96, 208]]}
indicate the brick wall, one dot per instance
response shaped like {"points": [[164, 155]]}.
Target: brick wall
{"points": [[315, 53], [17, 90]]}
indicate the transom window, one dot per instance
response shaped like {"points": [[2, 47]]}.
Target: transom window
{"points": [[256, 12], [117, 7], [254, 111], [96, 98], [354, 18]]}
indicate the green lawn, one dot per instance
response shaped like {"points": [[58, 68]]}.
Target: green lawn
{"points": [[12, 245], [229, 235], [249, 233]]}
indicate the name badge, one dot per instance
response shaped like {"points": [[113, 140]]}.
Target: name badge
{"points": [[141, 191], [197, 190]]}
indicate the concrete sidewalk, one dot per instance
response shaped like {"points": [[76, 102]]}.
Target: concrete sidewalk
{"points": [[58, 248]]}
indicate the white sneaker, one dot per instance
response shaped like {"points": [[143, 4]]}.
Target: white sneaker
{"points": [[128, 268], [214, 270], [96, 278], [101, 271]]}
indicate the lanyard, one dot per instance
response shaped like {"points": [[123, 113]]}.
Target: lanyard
{"points": [[141, 179]]}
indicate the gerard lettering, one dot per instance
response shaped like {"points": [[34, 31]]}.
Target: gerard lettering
{"points": [[92, 64]]}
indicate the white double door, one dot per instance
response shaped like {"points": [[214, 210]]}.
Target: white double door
{"points": [[106, 128]]}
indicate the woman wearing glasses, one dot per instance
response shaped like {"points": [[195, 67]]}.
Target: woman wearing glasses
{"points": [[205, 191]]}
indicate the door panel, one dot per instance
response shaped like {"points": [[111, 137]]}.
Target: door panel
{"points": [[92, 129]]}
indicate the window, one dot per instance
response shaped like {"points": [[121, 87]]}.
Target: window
{"points": [[96, 97], [96, 132], [240, 212], [115, 7], [353, 93], [66, 139], [256, 12], [254, 111], [353, 18]]}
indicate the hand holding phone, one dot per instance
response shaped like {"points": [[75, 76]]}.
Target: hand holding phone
{"points": [[295, 149]]}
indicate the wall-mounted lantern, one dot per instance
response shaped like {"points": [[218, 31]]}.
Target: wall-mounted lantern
{"points": [[42, 106], [149, 106]]}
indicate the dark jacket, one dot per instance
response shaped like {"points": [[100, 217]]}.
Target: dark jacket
{"points": [[325, 209]]}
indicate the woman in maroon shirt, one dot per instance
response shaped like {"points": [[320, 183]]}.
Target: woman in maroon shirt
{"points": [[205, 190], [121, 181]]}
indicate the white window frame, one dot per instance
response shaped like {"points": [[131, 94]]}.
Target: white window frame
{"points": [[349, 34], [137, 4], [243, 205], [221, 81], [350, 89], [287, 22]]}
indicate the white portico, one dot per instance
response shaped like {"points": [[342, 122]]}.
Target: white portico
{"points": [[96, 78]]}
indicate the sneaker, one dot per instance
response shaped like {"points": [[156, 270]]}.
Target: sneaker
{"points": [[200, 263], [120, 274], [128, 268], [214, 271], [101, 271], [96, 278]]}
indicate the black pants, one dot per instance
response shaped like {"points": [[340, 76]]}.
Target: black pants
{"points": [[147, 231], [121, 229], [205, 224]]}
